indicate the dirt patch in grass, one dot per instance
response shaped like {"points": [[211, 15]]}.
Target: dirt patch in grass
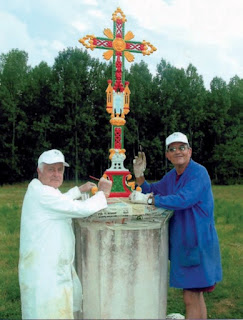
{"points": [[223, 306], [229, 193]]}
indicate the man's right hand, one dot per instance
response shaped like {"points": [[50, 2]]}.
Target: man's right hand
{"points": [[86, 187], [139, 165], [105, 185]]}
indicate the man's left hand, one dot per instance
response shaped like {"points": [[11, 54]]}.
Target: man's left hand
{"points": [[139, 197]]}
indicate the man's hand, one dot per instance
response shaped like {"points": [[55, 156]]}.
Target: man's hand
{"points": [[105, 186], [139, 197], [139, 165], [87, 187]]}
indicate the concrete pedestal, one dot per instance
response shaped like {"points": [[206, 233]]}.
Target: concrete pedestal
{"points": [[122, 261]]}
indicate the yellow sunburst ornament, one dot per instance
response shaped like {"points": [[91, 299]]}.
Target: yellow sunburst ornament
{"points": [[129, 56], [108, 33], [129, 36], [108, 54]]}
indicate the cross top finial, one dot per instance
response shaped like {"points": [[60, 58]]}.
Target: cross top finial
{"points": [[118, 14]]}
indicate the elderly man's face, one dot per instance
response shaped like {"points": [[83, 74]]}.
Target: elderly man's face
{"points": [[51, 174], [179, 157]]}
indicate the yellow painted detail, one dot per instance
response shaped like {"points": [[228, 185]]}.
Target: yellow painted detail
{"points": [[139, 189], [109, 98], [131, 185], [129, 36], [94, 190], [118, 14], [148, 48], [129, 56], [108, 33], [104, 176], [108, 54], [87, 41], [123, 151], [129, 177], [127, 93], [112, 152], [117, 121], [119, 44]]}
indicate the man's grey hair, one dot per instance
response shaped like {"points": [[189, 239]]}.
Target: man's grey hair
{"points": [[41, 166]]}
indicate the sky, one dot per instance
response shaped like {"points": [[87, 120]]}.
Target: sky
{"points": [[206, 33]]}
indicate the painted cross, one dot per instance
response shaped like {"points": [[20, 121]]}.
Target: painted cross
{"points": [[118, 46]]}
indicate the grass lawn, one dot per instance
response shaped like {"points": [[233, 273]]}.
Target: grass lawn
{"points": [[224, 303]]}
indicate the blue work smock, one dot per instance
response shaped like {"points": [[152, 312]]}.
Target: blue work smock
{"points": [[193, 242]]}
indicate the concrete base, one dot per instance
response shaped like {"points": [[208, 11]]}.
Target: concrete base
{"points": [[122, 262]]}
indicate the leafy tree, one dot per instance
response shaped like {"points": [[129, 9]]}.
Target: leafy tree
{"points": [[168, 106], [99, 73], [228, 161], [193, 112], [64, 107], [36, 105], [137, 130], [13, 73], [215, 125], [72, 112]]}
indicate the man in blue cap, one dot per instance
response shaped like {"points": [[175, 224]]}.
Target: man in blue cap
{"points": [[195, 263]]}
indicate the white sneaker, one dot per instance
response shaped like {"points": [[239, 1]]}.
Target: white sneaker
{"points": [[175, 316]]}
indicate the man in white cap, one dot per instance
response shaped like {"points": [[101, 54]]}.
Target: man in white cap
{"points": [[195, 263], [49, 285]]}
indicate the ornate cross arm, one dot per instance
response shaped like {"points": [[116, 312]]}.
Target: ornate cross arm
{"points": [[117, 42], [117, 45]]}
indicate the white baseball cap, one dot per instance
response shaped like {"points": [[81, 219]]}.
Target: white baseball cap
{"points": [[52, 156], [176, 137]]}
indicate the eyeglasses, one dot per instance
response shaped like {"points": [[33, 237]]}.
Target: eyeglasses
{"points": [[180, 148]]}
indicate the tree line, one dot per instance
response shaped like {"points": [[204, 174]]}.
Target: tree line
{"points": [[64, 107]]}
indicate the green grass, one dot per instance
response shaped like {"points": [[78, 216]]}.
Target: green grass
{"points": [[9, 243], [224, 303]]}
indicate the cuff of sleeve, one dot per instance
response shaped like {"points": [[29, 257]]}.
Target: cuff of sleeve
{"points": [[74, 193], [97, 202], [139, 175], [145, 187], [156, 200]]}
